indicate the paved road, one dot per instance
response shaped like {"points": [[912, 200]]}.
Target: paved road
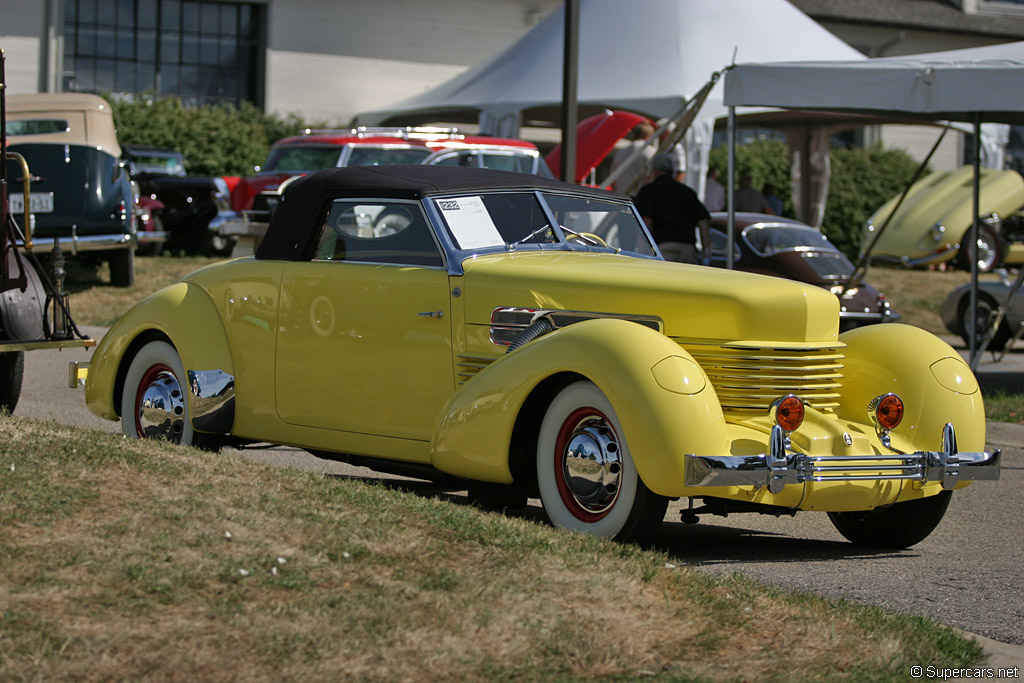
{"points": [[969, 573]]}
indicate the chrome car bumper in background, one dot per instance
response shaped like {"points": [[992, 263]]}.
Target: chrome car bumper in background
{"points": [[778, 467], [75, 244]]}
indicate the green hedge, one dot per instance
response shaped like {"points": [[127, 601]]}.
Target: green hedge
{"points": [[216, 140], [862, 180]]}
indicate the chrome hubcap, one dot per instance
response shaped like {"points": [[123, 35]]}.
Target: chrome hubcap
{"points": [[160, 409], [591, 464]]}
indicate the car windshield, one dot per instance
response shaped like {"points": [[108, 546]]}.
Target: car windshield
{"points": [[829, 265], [503, 161], [301, 158], [769, 239], [157, 163], [514, 219], [384, 156]]}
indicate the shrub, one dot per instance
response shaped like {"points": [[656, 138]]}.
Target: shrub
{"points": [[862, 180], [216, 140]]}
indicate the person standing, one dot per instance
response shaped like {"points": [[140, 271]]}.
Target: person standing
{"points": [[748, 198], [714, 192], [774, 201], [673, 213], [636, 155]]}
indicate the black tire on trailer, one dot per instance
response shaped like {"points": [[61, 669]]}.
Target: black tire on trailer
{"points": [[122, 267], [12, 371]]}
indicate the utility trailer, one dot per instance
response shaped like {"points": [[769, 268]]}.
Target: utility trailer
{"points": [[34, 312]]}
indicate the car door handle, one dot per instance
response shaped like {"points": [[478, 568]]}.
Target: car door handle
{"points": [[432, 314]]}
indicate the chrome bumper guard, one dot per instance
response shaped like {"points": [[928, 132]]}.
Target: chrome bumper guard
{"points": [[778, 467]]}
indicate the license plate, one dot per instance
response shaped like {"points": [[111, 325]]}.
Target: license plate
{"points": [[39, 202]]}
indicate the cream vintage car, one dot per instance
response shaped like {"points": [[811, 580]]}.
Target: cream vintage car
{"points": [[524, 336]]}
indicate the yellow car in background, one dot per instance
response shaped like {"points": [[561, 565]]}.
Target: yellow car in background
{"points": [[933, 222], [525, 337]]}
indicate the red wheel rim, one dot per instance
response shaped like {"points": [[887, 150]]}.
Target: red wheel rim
{"points": [[583, 421]]}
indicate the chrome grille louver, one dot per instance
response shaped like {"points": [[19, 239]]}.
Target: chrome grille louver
{"points": [[507, 323], [748, 378]]}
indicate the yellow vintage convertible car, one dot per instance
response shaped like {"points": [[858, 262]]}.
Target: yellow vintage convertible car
{"points": [[525, 336]]}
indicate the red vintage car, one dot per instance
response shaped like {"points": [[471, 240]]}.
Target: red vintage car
{"points": [[315, 150]]}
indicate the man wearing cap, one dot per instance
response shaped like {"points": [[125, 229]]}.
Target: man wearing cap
{"points": [[673, 213]]}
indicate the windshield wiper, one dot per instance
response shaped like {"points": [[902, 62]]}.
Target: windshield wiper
{"points": [[513, 245]]}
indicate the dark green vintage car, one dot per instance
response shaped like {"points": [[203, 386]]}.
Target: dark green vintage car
{"points": [[81, 191]]}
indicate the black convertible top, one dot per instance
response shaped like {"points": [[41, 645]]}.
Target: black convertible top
{"points": [[295, 225]]}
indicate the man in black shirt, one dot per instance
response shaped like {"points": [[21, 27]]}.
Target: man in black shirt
{"points": [[673, 212]]}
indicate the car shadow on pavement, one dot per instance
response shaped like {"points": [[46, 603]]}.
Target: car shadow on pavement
{"points": [[708, 544], [687, 544]]}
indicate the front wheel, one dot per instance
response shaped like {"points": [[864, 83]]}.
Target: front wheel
{"points": [[153, 403], [896, 526], [989, 250], [585, 472]]}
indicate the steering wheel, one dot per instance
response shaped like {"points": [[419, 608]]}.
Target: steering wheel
{"points": [[584, 237]]}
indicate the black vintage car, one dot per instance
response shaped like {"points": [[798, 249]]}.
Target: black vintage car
{"points": [[185, 206], [81, 191]]}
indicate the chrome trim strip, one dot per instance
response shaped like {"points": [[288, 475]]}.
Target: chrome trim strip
{"points": [[779, 467], [212, 400], [553, 315], [75, 244]]}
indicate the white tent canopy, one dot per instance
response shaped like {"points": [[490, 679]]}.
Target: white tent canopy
{"points": [[958, 85], [649, 57], [977, 85]]}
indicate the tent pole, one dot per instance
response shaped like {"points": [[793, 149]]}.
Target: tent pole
{"points": [[729, 185], [972, 247], [569, 78]]}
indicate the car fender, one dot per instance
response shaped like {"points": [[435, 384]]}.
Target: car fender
{"points": [[934, 382], [183, 314], [663, 399]]}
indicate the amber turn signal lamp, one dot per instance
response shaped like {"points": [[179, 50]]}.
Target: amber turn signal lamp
{"points": [[789, 412], [888, 411]]}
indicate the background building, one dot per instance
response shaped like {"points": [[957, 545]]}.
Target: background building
{"points": [[328, 60]]}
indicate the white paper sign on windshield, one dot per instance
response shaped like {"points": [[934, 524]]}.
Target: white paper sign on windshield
{"points": [[470, 223]]}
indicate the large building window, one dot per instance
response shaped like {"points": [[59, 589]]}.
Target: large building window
{"points": [[201, 51]]}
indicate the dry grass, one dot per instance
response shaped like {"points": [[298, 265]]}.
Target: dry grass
{"points": [[917, 294], [95, 302], [117, 565]]}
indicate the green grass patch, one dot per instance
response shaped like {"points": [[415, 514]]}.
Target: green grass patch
{"points": [[127, 560]]}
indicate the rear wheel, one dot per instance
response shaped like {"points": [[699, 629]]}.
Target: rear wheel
{"points": [[896, 526], [153, 402], [12, 370], [585, 472]]}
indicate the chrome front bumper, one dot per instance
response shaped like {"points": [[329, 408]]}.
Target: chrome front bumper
{"points": [[779, 467]]}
